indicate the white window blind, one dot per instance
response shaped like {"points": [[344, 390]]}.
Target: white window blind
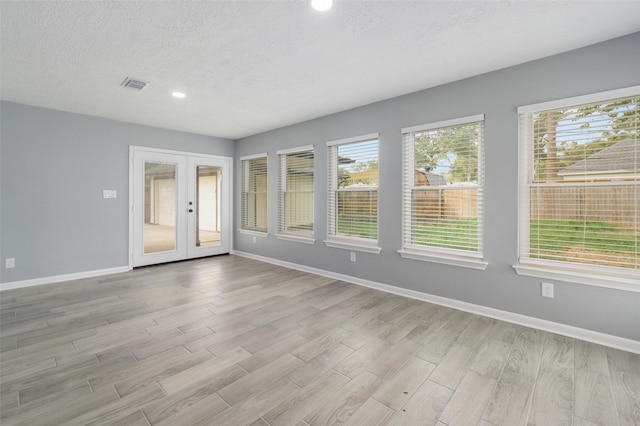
{"points": [[254, 193], [353, 189], [295, 194], [580, 180], [443, 187]]}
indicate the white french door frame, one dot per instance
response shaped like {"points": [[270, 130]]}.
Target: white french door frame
{"points": [[186, 165]]}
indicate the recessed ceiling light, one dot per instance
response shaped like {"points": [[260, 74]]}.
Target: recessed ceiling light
{"points": [[179, 95], [321, 5]]}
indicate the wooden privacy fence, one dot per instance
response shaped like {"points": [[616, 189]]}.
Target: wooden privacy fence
{"points": [[613, 204], [427, 205], [459, 203], [362, 203]]}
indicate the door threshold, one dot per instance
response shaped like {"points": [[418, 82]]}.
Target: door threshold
{"points": [[180, 261]]}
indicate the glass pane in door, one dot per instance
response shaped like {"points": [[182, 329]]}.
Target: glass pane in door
{"points": [[160, 204], [207, 206]]}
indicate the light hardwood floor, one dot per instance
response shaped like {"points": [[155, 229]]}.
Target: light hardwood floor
{"points": [[233, 341]]}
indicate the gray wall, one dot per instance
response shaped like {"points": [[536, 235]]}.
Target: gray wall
{"points": [[609, 65], [54, 166]]}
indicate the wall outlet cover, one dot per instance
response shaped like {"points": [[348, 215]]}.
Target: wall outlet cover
{"points": [[547, 290]]}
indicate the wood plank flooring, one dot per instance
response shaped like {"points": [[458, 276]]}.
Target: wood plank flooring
{"points": [[233, 341]]}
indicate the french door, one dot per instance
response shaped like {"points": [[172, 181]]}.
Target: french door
{"points": [[180, 206]]}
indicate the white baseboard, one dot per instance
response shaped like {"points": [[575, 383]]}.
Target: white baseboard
{"points": [[58, 278], [527, 321]]}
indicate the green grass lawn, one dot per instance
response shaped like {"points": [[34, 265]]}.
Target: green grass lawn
{"points": [[550, 239], [554, 236], [440, 235], [590, 242], [361, 226]]}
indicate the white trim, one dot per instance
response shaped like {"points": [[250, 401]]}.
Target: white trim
{"points": [[244, 189], [225, 212], [445, 123], [541, 271], [59, 278], [254, 233], [283, 183], [579, 100], [346, 245], [459, 256], [175, 152], [292, 150], [251, 157], [568, 184], [296, 238], [369, 137], [132, 150], [524, 320], [525, 169], [445, 259], [358, 189], [573, 272]]}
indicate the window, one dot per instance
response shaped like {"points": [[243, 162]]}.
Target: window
{"points": [[442, 192], [254, 193], [353, 193], [295, 195], [579, 189]]}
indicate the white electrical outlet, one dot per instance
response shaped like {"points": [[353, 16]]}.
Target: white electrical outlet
{"points": [[10, 262], [352, 256], [109, 193], [547, 290], [255, 240]]}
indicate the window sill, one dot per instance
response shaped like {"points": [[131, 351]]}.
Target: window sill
{"points": [[578, 276], [348, 245], [254, 233], [445, 259], [296, 238]]}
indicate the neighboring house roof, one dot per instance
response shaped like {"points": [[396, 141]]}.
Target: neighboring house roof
{"points": [[622, 157], [345, 160], [433, 179]]}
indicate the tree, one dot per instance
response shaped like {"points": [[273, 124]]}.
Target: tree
{"points": [[452, 148], [623, 115], [365, 166], [364, 173], [551, 122], [552, 155]]}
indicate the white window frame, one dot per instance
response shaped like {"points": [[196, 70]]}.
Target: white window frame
{"points": [[601, 276], [244, 171], [283, 234], [348, 242], [462, 258]]}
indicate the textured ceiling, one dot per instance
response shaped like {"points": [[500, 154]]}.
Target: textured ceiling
{"points": [[251, 66]]}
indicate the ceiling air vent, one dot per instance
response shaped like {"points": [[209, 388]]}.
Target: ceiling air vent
{"points": [[134, 83]]}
